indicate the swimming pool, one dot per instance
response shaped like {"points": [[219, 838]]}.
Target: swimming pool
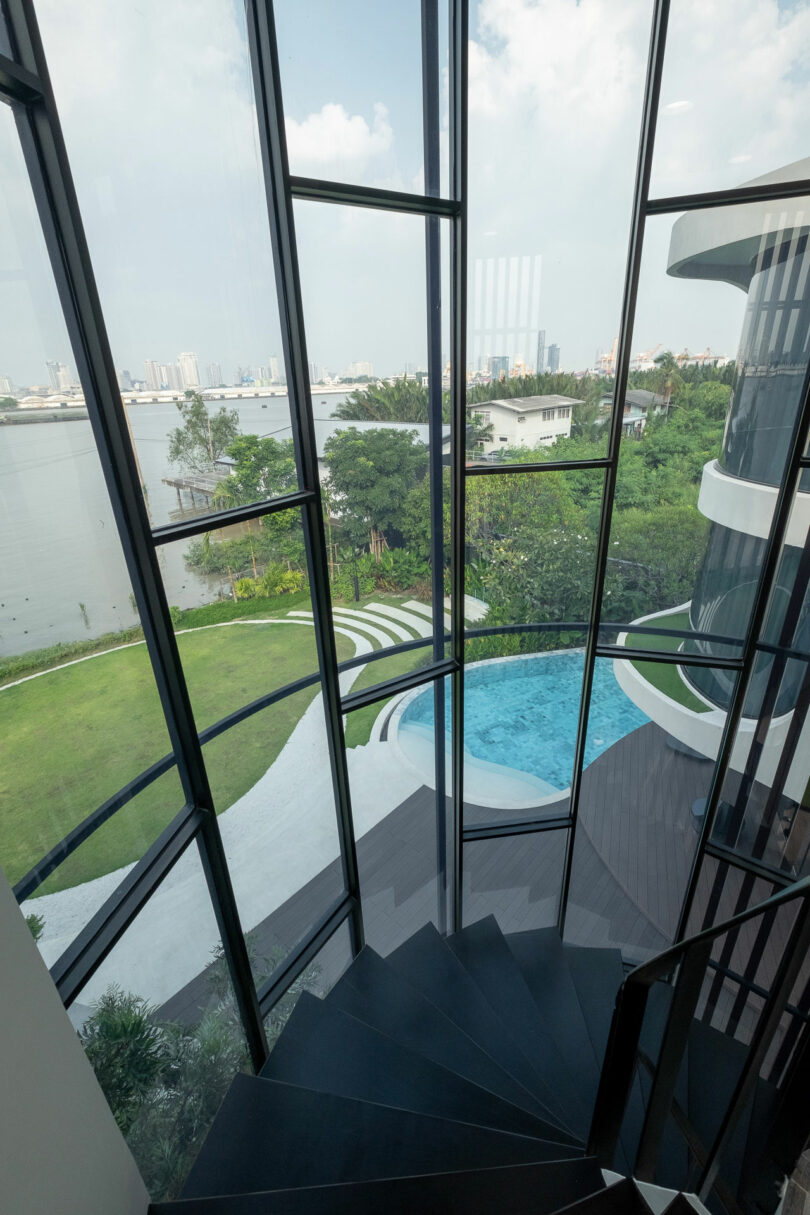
{"points": [[521, 714]]}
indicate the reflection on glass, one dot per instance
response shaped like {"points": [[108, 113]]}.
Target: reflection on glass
{"points": [[159, 1024], [517, 879], [173, 202], [711, 134], [546, 265], [318, 978], [79, 712], [272, 785], [352, 86], [5, 41], [642, 803]]}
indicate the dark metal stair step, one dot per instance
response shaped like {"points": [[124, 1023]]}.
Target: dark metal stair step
{"points": [[425, 960], [373, 992], [482, 950], [523, 1189], [272, 1136], [540, 955], [325, 1049], [623, 1198]]}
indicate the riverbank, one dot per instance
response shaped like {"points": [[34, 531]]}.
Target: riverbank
{"points": [[22, 417]]}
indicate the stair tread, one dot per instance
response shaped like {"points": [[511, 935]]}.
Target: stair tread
{"points": [[425, 960], [326, 1049], [622, 1198], [540, 955], [523, 1189], [372, 991], [268, 1135], [482, 950]]}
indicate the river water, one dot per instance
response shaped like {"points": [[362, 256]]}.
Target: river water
{"points": [[62, 574]]}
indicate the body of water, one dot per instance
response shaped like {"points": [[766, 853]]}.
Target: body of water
{"points": [[62, 574]]}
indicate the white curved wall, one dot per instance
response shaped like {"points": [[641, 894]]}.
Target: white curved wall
{"points": [[748, 506]]}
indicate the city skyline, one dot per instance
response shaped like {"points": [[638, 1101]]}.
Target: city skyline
{"points": [[195, 270]]}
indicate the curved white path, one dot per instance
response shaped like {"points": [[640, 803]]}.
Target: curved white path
{"points": [[277, 836]]}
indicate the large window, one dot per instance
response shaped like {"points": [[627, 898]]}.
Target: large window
{"points": [[389, 540]]}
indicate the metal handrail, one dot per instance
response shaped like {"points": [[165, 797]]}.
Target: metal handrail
{"points": [[692, 958]]}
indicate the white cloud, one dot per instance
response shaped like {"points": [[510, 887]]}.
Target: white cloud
{"points": [[332, 135]]}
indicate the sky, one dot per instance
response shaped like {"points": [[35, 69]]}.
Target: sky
{"points": [[156, 103]]}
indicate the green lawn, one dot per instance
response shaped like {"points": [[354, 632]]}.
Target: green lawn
{"points": [[665, 677], [75, 736]]}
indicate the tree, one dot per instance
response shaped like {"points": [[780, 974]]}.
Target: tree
{"points": [[8, 403], [397, 401], [264, 468], [370, 475], [669, 381], [479, 432], [203, 437]]}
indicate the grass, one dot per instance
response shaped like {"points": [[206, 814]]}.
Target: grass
{"points": [[664, 677], [74, 737], [77, 735]]}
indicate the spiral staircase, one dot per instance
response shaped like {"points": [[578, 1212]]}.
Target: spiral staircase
{"points": [[459, 1074]]}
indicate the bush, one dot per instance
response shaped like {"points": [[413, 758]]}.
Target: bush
{"points": [[245, 588]]}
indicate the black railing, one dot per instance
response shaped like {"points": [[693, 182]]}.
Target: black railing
{"points": [[692, 960]]}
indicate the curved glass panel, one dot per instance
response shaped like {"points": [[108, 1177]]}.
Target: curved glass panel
{"points": [[732, 96], [173, 203], [159, 1024], [80, 715]]}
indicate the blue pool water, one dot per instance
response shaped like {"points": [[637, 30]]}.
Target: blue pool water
{"points": [[522, 713]]}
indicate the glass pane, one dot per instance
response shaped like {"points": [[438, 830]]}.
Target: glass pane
{"points": [[159, 1023], [177, 227], [79, 712], [712, 134], [318, 978], [698, 477], [393, 791], [352, 83], [531, 544], [67, 900], [516, 878], [538, 81], [272, 784], [642, 803], [377, 455]]}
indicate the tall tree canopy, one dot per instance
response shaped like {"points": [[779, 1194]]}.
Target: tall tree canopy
{"points": [[370, 474], [202, 438]]}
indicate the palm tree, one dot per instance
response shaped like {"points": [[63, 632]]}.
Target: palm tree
{"points": [[668, 381]]}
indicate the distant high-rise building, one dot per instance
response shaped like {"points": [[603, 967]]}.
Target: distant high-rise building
{"points": [[355, 370], [275, 377], [171, 377], [59, 375], [189, 371], [541, 351], [124, 380], [553, 358], [6, 385], [214, 375], [499, 366], [154, 379], [314, 373]]}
